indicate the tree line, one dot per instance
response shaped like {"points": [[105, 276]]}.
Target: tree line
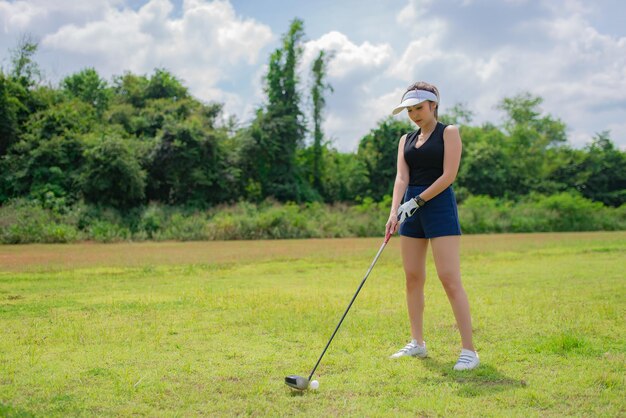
{"points": [[144, 138]]}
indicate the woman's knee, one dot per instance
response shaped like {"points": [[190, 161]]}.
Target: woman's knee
{"points": [[415, 279], [451, 282]]}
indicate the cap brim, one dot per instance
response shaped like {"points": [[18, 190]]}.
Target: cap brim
{"points": [[407, 103]]}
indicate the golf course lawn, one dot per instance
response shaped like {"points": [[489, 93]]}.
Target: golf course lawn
{"points": [[212, 329]]}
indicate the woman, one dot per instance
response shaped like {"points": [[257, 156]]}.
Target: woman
{"points": [[428, 162]]}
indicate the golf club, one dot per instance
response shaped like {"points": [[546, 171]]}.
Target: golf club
{"points": [[301, 382]]}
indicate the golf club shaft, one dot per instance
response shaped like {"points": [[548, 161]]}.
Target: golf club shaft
{"points": [[382, 247]]}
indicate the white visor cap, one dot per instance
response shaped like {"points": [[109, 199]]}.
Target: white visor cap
{"points": [[413, 97]]}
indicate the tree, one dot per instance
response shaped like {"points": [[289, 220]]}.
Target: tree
{"points": [[485, 164], [144, 106], [320, 85], [48, 156], [10, 107], [131, 89], [70, 116], [112, 175], [164, 85], [137, 90], [191, 165], [23, 68], [278, 129], [87, 86], [564, 170], [20, 95], [605, 166], [344, 177], [529, 137], [378, 151], [458, 115], [524, 123], [146, 122], [36, 168]]}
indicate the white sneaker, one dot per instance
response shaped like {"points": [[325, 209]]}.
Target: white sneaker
{"points": [[468, 360], [412, 349]]}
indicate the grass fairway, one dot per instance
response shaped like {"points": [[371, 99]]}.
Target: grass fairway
{"points": [[211, 329]]}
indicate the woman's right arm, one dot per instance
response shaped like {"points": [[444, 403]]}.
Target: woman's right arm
{"points": [[399, 188]]}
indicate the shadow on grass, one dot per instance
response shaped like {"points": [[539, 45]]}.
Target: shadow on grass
{"points": [[13, 412], [484, 380], [294, 393]]}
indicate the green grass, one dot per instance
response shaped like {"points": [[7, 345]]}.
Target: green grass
{"points": [[214, 330]]}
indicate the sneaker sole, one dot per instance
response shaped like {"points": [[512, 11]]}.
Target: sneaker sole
{"points": [[466, 368], [408, 355]]}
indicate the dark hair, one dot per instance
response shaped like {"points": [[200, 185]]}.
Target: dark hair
{"points": [[422, 85]]}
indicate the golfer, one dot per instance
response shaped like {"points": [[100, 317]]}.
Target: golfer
{"points": [[428, 162]]}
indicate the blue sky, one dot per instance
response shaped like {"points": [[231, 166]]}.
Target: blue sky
{"points": [[571, 53]]}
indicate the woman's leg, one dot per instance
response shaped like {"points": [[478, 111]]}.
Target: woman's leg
{"points": [[446, 252], [414, 261]]}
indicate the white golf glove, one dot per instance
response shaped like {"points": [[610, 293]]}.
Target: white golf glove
{"points": [[407, 209]]}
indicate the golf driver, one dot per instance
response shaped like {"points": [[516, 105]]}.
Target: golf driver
{"points": [[300, 382]]}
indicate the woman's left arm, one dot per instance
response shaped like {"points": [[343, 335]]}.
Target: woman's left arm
{"points": [[451, 161]]}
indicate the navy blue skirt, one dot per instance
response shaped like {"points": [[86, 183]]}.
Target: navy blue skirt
{"points": [[439, 217]]}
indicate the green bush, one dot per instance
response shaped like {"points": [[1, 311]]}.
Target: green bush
{"points": [[151, 221], [537, 213], [483, 214], [103, 231], [184, 228], [268, 220], [30, 221], [60, 233], [112, 173], [24, 221], [527, 217]]}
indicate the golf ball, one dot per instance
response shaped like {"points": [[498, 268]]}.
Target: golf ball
{"points": [[315, 384]]}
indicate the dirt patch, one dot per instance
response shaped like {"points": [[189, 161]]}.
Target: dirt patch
{"points": [[45, 257]]}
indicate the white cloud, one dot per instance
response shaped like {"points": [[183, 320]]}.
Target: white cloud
{"points": [[43, 15], [584, 80], [579, 71], [476, 52], [205, 45], [352, 71], [16, 16], [419, 52], [348, 58], [412, 12]]}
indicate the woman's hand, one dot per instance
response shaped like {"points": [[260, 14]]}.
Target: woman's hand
{"points": [[392, 223], [407, 209]]}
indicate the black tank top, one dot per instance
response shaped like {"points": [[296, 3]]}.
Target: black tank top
{"points": [[426, 162]]}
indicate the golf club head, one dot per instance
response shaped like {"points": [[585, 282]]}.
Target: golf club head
{"points": [[297, 382]]}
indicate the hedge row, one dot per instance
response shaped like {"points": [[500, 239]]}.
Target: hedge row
{"points": [[24, 221]]}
